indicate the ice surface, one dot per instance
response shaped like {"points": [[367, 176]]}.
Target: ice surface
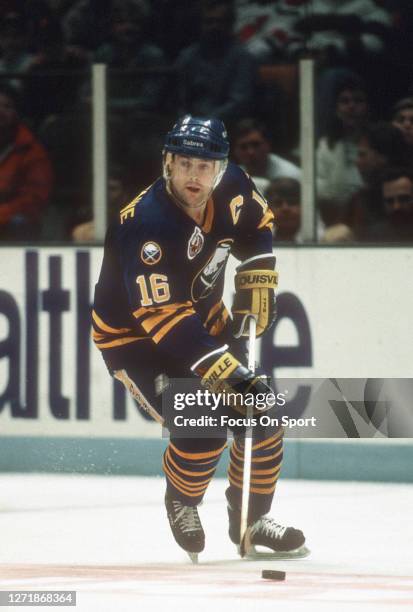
{"points": [[108, 539]]}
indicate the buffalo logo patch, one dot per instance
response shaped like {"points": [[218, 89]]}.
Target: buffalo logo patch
{"points": [[204, 283], [195, 244], [151, 253]]}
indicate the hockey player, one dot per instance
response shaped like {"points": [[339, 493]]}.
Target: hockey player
{"points": [[158, 310]]}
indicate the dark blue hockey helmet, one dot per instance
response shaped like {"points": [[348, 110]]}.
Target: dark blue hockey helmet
{"points": [[198, 137]]}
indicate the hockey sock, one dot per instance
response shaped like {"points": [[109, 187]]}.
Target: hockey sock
{"points": [[189, 472], [265, 470]]}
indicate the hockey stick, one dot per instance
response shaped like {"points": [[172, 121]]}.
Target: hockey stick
{"points": [[137, 395], [246, 478]]}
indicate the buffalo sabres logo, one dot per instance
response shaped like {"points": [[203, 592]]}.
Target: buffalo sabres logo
{"points": [[205, 280], [195, 244], [151, 253]]}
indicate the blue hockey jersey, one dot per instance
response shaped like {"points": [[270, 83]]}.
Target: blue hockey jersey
{"points": [[162, 276]]}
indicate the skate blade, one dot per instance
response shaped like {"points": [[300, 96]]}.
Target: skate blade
{"points": [[193, 556], [253, 554]]}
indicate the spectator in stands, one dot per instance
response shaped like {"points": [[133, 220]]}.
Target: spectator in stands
{"points": [[380, 145], [282, 29], [402, 118], [118, 196], [342, 27], [396, 192], [251, 148], [216, 76], [337, 174], [175, 24], [56, 91], [87, 23], [127, 49], [25, 174], [284, 199], [15, 55]]}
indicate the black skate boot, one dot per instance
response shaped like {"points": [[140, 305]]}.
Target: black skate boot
{"points": [[186, 527], [282, 542]]}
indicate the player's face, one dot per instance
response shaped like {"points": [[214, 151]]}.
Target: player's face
{"points": [[192, 179]]}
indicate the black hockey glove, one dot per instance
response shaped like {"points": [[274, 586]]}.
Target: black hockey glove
{"points": [[255, 285], [222, 373]]}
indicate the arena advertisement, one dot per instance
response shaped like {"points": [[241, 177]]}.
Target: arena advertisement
{"points": [[338, 319]]}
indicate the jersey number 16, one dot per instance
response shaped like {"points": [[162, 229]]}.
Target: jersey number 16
{"points": [[159, 289]]}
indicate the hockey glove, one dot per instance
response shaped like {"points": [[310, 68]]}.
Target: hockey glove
{"points": [[255, 285], [222, 373]]}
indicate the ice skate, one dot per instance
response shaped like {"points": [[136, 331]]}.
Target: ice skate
{"points": [[186, 527], [266, 539]]}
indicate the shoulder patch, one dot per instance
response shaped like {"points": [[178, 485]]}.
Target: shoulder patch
{"points": [[151, 253]]}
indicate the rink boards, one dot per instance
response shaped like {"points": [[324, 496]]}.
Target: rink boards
{"points": [[343, 312]]}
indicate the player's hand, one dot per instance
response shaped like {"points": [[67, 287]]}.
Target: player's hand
{"points": [[222, 373], [255, 285]]}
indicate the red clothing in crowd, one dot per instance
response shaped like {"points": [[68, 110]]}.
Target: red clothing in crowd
{"points": [[26, 178]]}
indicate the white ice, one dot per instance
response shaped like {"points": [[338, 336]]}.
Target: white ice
{"points": [[108, 539]]}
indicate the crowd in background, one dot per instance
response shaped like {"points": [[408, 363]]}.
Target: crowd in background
{"points": [[236, 60]]}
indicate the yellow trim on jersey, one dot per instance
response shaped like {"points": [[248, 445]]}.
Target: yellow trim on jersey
{"points": [[129, 209], [166, 328], [119, 342], [98, 337], [219, 325], [155, 310], [209, 216], [267, 220], [107, 328], [263, 203], [151, 322], [213, 311]]}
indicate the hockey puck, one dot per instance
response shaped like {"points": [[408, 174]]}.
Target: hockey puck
{"points": [[272, 575]]}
